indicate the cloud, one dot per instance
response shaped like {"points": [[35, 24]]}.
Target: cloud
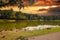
{"points": [[41, 2], [44, 3]]}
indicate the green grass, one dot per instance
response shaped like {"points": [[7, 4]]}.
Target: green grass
{"points": [[21, 24], [13, 35], [39, 32]]}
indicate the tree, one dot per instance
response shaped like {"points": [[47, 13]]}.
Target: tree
{"points": [[10, 2], [19, 3], [6, 14], [17, 14]]}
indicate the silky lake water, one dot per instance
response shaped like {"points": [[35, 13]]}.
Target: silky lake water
{"points": [[31, 28]]}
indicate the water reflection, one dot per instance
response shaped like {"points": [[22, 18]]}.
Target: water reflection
{"points": [[31, 28], [23, 24]]}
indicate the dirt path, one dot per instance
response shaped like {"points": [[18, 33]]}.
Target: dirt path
{"points": [[52, 36]]}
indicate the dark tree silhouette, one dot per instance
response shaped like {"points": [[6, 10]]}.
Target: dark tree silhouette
{"points": [[10, 2], [17, 14], [19, 3]]}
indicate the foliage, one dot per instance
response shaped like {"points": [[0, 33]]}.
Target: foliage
{"points": [[10, 14], [19, 3], [22, 38]]}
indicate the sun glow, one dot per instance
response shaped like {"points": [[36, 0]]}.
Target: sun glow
{"points": [[30, 9], [33, 9]]}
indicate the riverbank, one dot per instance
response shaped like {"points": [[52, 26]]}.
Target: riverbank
{"points": [[13, 35], [12, 30], [22, 24]]}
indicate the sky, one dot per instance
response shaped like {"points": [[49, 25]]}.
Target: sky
{"points": [[39, 7], [41, 2]]}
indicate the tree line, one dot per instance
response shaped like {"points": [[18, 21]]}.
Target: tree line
{"points": [[12, 15]]}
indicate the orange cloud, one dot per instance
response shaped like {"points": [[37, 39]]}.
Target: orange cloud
{"points": [[44, 3], [40, 2]]}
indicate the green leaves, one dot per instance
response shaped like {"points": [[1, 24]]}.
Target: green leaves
{"points": [[10, 2]]}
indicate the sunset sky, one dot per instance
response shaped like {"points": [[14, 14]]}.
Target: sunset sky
{"points": [[36, 8], [41, 2]]}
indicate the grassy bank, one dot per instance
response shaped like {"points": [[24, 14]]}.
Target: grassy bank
{"points": [[39, 32], [4, 25], [12, 35]]}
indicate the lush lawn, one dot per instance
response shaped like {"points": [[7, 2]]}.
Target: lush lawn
{"points": [[39, 32], [12, 35]]}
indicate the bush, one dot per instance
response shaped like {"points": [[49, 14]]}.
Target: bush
{"points": [[22, 38]]}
